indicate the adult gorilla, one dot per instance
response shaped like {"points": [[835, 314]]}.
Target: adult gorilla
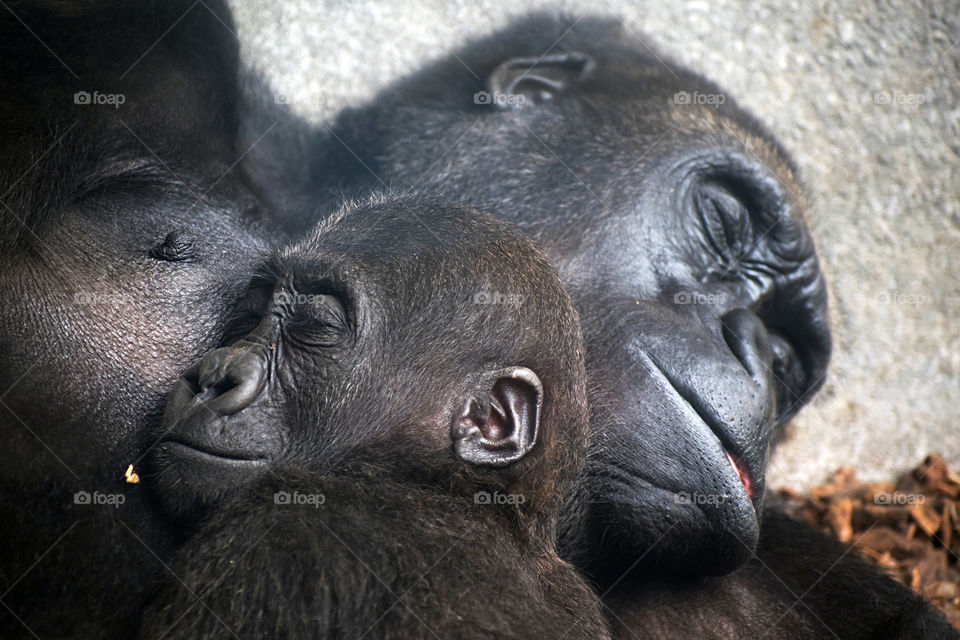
{"points": [[676, 222], [126, 235]]}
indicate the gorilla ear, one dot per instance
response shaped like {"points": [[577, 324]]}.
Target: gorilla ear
{"points": [[504, 428], [537, 79]]}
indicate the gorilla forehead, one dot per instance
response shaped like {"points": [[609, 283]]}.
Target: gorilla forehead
{"points": [[431, 249]]}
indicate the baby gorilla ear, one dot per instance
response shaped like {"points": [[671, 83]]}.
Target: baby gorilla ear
{"points": [[503, 428], [537, 79]]}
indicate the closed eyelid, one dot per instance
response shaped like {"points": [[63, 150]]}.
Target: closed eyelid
{"points": [[177, 246]]}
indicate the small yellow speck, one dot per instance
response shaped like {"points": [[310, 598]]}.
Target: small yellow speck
{"points": [[130, 476]]}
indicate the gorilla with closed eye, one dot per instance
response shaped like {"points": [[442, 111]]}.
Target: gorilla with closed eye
{"points": [[128, 229], [677, 225], [127, 233], [379, 377]]}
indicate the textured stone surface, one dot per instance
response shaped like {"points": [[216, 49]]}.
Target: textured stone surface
{"points": [[840, 84]]}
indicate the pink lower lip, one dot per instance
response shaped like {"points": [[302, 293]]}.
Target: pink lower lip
{"points": [[744, 478]]}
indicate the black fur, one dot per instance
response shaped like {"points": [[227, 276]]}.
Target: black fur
{"points": [[800, 585], [678, 229], [144, 205], [371, 399], [127, 234], [624, 185]]}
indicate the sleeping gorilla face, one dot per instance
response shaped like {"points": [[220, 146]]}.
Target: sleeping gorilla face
{"points": [[125, 237], [676, 223], [379, 376], [375, 328]]}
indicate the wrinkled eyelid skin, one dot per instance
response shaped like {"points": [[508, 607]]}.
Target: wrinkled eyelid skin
{"points": [[177, 246]]}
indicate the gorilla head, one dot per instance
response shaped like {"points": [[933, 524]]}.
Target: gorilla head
{"points": [[381, 327], [397, 369], [677, 224], [126, 236]]}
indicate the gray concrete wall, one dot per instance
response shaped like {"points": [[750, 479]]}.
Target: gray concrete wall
{"points": [[866, 96]]}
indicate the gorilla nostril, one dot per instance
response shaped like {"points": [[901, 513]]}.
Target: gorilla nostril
{"points": [[210, 391], [226, 381], [222, 387], [192, 382], [793, 383], [785, 361], [748, 340]]}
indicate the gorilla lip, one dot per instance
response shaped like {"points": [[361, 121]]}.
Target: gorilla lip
{"points": [[194, 449], [744, 478]]}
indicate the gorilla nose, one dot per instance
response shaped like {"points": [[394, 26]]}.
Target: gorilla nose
{"points": [[747, 337], [226, 381]]}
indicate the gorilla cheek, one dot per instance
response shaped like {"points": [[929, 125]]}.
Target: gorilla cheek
{"points": [[79, 394], [96, 361]]}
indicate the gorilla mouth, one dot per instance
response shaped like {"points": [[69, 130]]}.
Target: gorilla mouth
{"points": [[740, 466], [179, 447], [741, 473], [191, 477]]}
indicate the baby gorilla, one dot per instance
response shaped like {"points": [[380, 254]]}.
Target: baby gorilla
{"points": [[411, 404]]}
